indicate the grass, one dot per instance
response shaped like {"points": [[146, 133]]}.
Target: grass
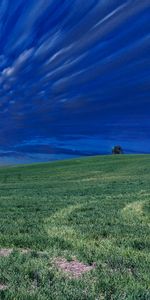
{"points": [[95, 209]]}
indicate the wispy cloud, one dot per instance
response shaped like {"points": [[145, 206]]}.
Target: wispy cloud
{"points": [[74, 78]]}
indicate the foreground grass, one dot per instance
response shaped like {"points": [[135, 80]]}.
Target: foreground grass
{"points": [[96, 209]]}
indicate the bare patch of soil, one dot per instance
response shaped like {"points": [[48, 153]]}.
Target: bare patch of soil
{"points": [[5, 252], [24, 251], [28, 250], [73, 268], [3, 287]]}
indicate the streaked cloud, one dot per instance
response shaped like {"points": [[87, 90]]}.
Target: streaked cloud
{"points": [[74, 78]]}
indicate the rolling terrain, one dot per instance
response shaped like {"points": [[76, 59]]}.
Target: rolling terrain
{"points": [[91, 212]]}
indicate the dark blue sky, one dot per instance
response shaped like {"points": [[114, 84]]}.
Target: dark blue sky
{"points": [[74, 78]]}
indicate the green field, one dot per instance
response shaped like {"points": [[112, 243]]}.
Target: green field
{"points": [[93, 210]]}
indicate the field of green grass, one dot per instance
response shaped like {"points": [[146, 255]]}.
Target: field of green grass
{"points": [[93, 210]]}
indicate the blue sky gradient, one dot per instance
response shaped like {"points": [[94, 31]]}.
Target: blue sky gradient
{"points": [[74, 78]]}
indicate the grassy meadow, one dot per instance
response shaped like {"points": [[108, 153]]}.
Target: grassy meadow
{"points": [[95, 210]]}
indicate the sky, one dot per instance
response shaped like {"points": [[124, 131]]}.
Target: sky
{"points": [[74, 78]]}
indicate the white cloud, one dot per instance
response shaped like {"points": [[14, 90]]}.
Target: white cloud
{"points": [[8, 71], [18, 64]]}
